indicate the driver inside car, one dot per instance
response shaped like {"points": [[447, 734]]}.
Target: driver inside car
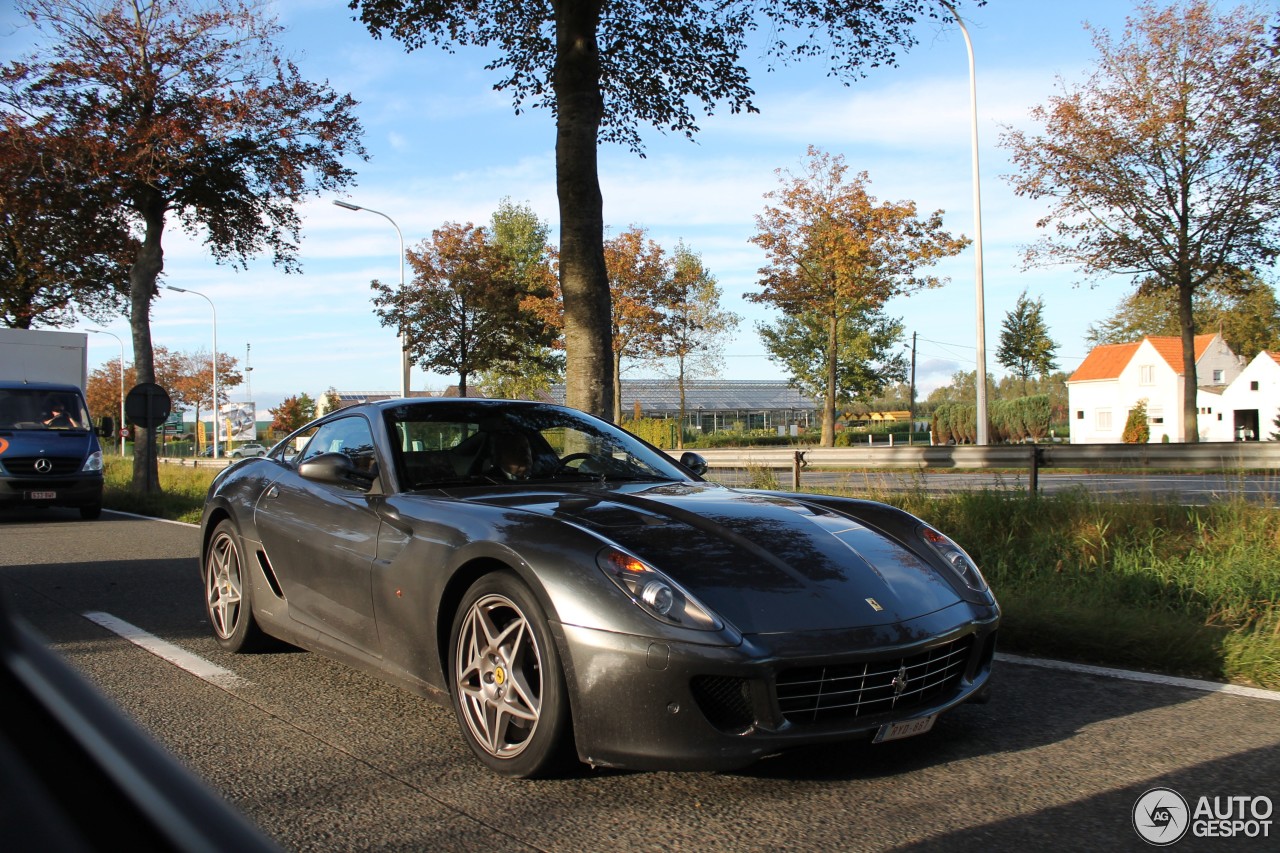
{"points": [[512, 455]]}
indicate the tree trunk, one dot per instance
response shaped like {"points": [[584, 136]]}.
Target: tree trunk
{"points": [[583, 279], [148, 263], [615, 373], [1190, 411], [829, 404], [680, 420]]}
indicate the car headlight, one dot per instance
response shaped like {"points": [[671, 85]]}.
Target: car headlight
{"points": [[94, 462], [655, 593], [955, 558]]}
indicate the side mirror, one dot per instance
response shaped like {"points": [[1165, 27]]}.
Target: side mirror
{"points": [[338, 469], [693, 462], [106, 427]]}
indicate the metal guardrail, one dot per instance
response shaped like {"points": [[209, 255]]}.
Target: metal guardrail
{"points": [[1205, 456]]}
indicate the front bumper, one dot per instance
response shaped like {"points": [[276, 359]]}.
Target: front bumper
{"points": [[81, 489], [645, 704]]}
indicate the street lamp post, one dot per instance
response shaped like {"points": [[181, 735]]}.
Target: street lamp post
{"points": [[216, 451], [980, 380], [119, 426], [404, 351]]}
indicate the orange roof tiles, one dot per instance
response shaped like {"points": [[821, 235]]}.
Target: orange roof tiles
{"points": [[1107, 361], [1104, 362], [1170, 349]]}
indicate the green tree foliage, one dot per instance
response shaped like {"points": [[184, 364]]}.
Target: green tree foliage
{"points": [[1241, 306], [867, 359], [834, 252], [1136, 428], [605, 69], [190, 113], [464, 311], [521, 239], [1165, 164], [1025, 345]]}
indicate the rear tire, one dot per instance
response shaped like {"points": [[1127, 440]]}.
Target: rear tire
{"points": [[507, 683], [91, 511], [228, 593]]}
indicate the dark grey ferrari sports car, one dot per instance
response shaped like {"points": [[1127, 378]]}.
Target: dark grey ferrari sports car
{"points": [[566, 587]]}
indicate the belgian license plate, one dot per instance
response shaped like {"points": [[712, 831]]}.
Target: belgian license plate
{"points": [[44, 496], [905, 728]]}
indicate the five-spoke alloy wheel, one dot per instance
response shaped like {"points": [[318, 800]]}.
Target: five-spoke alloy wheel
{"points": [[508, 688], [227, 593]]}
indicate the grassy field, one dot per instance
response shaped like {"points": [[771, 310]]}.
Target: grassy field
{"points": [[1154, 586]]}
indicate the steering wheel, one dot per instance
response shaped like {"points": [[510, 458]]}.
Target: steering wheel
{"points": [[573, 457]]}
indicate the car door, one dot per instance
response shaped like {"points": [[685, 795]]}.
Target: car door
{"points": [[321, 539]]}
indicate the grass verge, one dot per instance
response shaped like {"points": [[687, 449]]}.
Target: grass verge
{"points": [[1138, 583]]}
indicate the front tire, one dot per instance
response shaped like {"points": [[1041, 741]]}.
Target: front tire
{"points": [[508, 686], [228, 593]]}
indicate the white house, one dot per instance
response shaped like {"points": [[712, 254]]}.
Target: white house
{"points": [[1247, 408], [1114, 378]]}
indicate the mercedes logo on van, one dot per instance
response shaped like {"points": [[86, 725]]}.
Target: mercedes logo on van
{"points": [[43, 466]]}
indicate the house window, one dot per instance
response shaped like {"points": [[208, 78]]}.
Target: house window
{"points": [[1155, 416], [1147, 375], [1079, 414], [1253, 386], [1217, 377], [1102, 420]]}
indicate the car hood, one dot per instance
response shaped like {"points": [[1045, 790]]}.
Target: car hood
{"points": [[766, 563], [46, 442]]}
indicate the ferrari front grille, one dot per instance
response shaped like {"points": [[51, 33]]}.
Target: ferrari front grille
{"points": [[831, 693]]}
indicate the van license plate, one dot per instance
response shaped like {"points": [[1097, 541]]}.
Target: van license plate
{"points": [[906, 728], [44, 496]]}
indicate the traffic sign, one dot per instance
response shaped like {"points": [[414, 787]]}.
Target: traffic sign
{"points": [[147, 405]]}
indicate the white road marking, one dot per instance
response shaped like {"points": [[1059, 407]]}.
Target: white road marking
{"points": [[179, 657], [1147, 677]]}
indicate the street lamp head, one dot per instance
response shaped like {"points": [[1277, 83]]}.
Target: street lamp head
{"points": [[174, 289], [346, 204]]}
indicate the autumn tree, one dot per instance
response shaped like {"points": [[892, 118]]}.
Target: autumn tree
{"points": [[63, 250], [696, 324], [464, 310], [1165, 164], [1025, 346], [605, 68], [1241, 307], [293, 413], [188, 111], [835, 252], [640, 289]]}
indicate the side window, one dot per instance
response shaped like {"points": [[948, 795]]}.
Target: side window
{"points": [[351, 436]]}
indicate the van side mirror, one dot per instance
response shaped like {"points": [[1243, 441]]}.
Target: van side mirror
{"points": [[106, 427]]}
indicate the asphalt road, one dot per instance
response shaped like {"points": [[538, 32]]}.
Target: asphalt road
{"points": [[326, 758]]}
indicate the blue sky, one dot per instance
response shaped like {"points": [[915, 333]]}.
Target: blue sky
{"points": [[445, 147]]}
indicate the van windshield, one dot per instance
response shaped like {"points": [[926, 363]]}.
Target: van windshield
{"points": [[36, 409]]}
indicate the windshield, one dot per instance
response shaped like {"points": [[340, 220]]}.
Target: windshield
{"points": [[39, 409], [472, 442]]}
